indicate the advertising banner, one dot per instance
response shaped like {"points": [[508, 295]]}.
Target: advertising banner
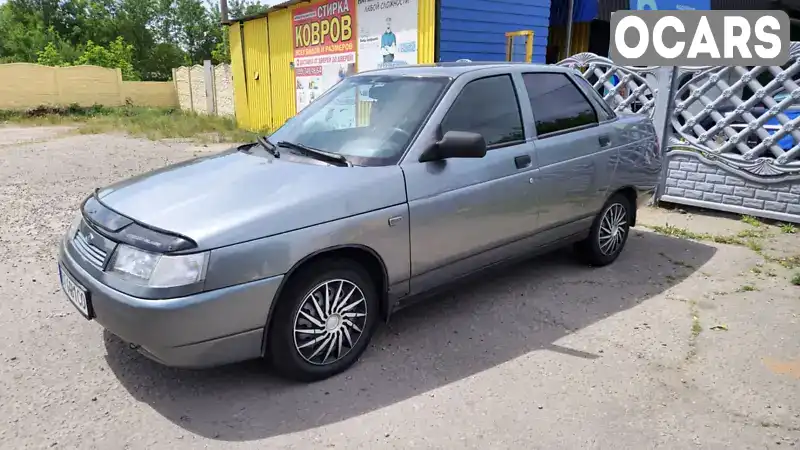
{"points": [[324, 47], [387, 33]]}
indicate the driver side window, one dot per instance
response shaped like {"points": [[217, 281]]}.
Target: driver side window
{"points": [[488, 106]]}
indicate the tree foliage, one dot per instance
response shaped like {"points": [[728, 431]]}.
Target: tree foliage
{"points": [[145, 39]]}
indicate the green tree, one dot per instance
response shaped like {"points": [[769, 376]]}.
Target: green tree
{"points": [[117, 55], [163, 58], [50, 56], [158, 35]]}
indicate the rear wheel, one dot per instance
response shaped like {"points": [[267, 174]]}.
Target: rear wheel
{"points": [[609, 232], [323, 321]]}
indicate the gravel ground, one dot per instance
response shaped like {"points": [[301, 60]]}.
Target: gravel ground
{"points": [[545, 354]]}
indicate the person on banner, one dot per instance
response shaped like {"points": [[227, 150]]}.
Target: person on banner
{"points": [[388, 42]]}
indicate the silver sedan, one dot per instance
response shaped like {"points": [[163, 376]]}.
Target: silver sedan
{"points": [[392, 184]]}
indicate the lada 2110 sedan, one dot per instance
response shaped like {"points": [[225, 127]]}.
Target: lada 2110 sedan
{"points": [[392, 183]]}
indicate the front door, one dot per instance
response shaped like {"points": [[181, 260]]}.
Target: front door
{"points": [[461, 208]]}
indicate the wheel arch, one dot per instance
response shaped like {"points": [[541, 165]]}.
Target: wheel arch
{"points": [[632, 195], [370, 260]]}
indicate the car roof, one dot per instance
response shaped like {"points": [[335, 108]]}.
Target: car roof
{"points": [[454, 69]]}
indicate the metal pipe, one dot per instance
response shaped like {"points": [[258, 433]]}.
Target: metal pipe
{"points": [[569, 28]]}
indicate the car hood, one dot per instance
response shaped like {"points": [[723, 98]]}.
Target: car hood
{"points": [[234, 196]]}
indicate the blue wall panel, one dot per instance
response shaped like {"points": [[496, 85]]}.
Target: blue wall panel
{"points": [[475, 29]]}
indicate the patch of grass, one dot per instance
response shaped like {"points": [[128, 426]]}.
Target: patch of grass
{"points": [[683, 233], [788, 228], [747, 288], [749, 238], [752, 233], [696, 330], [754, 245], [795, 279], [672, 230], [756, 270], [152, 123], [752, 221], [789, 262]]}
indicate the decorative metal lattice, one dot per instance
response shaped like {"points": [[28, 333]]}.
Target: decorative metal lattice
{"points": [[744, 118], [747, 118], [626, 89]]}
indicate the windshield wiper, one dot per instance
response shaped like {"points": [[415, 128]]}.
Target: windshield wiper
{"points": [[268, 146], [316, 153]]}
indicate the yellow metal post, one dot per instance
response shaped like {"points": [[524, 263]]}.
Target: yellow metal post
{"points": [[257, 70], [528, 34], [281, 56], [239, 76], [426, 26]]}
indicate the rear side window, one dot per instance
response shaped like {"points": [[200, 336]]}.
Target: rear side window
{"points": [[558, 104], [488, 106], [607, 112]]}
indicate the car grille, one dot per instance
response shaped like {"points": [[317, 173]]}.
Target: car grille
{"points": [[92, 253]]}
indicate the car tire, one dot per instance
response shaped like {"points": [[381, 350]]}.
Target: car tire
{"points": [[609, 232], [312, 337]]}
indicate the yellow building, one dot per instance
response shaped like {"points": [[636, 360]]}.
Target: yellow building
{"points": [[265, 49]]}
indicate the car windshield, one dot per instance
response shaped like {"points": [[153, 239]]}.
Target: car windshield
{"points": [[368, 119]]}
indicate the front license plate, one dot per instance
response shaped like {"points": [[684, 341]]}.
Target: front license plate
{"points": [[76, 293]]}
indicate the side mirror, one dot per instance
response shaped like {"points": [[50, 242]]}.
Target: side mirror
{"points": [[456, 144]]}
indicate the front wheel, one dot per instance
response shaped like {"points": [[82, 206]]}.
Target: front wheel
{"points": [[323, 321], [609, 232]]}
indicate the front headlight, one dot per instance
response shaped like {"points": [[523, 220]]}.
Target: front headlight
{"points": [[156, 270]]}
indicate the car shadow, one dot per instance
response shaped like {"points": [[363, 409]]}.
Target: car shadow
{"points": [[493, 319]]}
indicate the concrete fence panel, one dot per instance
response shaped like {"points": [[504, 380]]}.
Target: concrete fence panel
{"points": [[223, 90], [159, 94], [26, 85], [182, 88], [205, 89], [89, 85], [198, 90]]}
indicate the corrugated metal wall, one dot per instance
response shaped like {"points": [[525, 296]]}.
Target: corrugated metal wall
{"points": [[281, 52], [239, 77], [264, 82], [580, 39], [475, 29], [257, 67], [426, 26]]}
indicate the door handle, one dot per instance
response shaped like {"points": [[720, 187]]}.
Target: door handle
{"points": [[604, 141], [522, 161]]}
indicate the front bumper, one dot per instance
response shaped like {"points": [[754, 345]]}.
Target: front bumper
{"points": [[202, 330]]}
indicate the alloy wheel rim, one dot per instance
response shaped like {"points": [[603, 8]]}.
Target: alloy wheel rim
{"points": [[613, 229], [330, 321]]}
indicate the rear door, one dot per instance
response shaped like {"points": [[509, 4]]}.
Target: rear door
{"points": [[461, 208], [573, 149]]}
